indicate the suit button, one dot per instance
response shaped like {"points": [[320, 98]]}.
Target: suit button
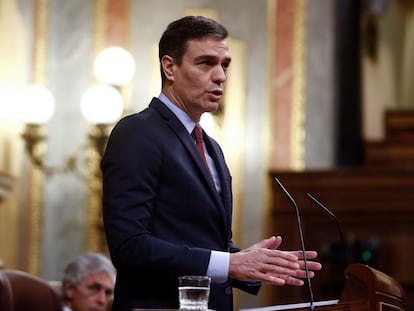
{"points": [[227, 291]]}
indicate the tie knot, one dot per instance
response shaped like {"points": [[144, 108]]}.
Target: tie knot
{"points": [[198, 133]]}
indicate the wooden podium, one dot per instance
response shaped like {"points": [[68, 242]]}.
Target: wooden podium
{"points": [[369, 289], [366, 289]]}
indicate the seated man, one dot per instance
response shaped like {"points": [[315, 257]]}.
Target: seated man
{"points": [[88, 283]]}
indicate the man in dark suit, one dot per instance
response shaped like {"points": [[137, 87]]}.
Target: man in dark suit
{"points": [[167, 211]]}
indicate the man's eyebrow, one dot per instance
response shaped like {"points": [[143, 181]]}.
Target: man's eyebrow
{"points": [[204, 57], [210, 57]]}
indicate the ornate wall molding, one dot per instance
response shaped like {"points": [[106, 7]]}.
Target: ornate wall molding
{"points": [[288, 81], [33, 207], [299, 87], [111, 24]]}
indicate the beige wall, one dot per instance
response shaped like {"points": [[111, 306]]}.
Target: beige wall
{"points": [[387, 64], [13, 71]]}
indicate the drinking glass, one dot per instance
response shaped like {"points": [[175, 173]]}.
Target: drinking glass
{"points": [[194, 291]]}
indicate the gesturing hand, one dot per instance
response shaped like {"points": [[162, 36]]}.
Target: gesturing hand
{"points": [[264, 262]]}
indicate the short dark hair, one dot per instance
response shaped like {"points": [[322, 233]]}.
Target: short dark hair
{"points": [[174, 40]]}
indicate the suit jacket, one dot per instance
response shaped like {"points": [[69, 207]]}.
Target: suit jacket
{"points": [[162, 213]]}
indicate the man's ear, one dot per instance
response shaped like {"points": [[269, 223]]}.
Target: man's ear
{"points": [[168, 64], [69, 289]]}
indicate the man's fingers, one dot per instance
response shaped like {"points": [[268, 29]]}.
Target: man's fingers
{"points": [[309, 254], [293, 281], [281, 268], [271, 279], [312, 265], [271, 243], [302, 274], [264, 262]]}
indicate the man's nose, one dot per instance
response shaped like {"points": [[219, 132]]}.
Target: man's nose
{"points": [[102, 298], [219, 75]]}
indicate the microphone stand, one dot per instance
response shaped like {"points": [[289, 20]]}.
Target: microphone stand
{"points": [[338, 224], [303, 249]]}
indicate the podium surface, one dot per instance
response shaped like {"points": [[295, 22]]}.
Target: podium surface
{"points": [[366, 289]]}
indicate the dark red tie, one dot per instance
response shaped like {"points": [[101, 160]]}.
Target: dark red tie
{"points": [[198, 135]]}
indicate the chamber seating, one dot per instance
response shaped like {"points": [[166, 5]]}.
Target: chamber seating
{"points": [[21, 291]]}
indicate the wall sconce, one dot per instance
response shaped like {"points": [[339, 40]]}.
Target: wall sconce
{"points": [[36, 106], [101, 105]]}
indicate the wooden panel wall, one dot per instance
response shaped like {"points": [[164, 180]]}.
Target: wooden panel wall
{"points": [[375, 208]]}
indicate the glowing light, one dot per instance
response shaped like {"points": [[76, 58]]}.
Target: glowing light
{"points": [[114, 66], [101, 104], [35, 104]]}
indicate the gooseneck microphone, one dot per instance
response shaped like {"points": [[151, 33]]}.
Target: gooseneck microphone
{"points": [[302, 243], [344, 244]]}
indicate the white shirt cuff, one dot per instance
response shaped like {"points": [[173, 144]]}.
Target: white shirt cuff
{"points": [[218, 267]]}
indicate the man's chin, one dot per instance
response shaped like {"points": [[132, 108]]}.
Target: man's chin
{"points": [[213, 107]]}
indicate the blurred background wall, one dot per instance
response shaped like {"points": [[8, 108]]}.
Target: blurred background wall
{"points": [[310, 83]]}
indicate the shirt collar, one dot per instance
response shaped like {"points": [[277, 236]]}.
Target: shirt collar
{"points": [[179, 113]]}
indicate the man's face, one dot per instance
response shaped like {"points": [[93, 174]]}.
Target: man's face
{"points": [[94, 293], [198, 82]]}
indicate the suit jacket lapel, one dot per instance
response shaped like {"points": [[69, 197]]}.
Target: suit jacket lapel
{"points": [[188, 142], [221, 167]]}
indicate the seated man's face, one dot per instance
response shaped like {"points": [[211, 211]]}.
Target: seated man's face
{"points": [[94, 293]]}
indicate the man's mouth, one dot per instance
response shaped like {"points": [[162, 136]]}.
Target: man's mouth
{"points": [[216, 94]]}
